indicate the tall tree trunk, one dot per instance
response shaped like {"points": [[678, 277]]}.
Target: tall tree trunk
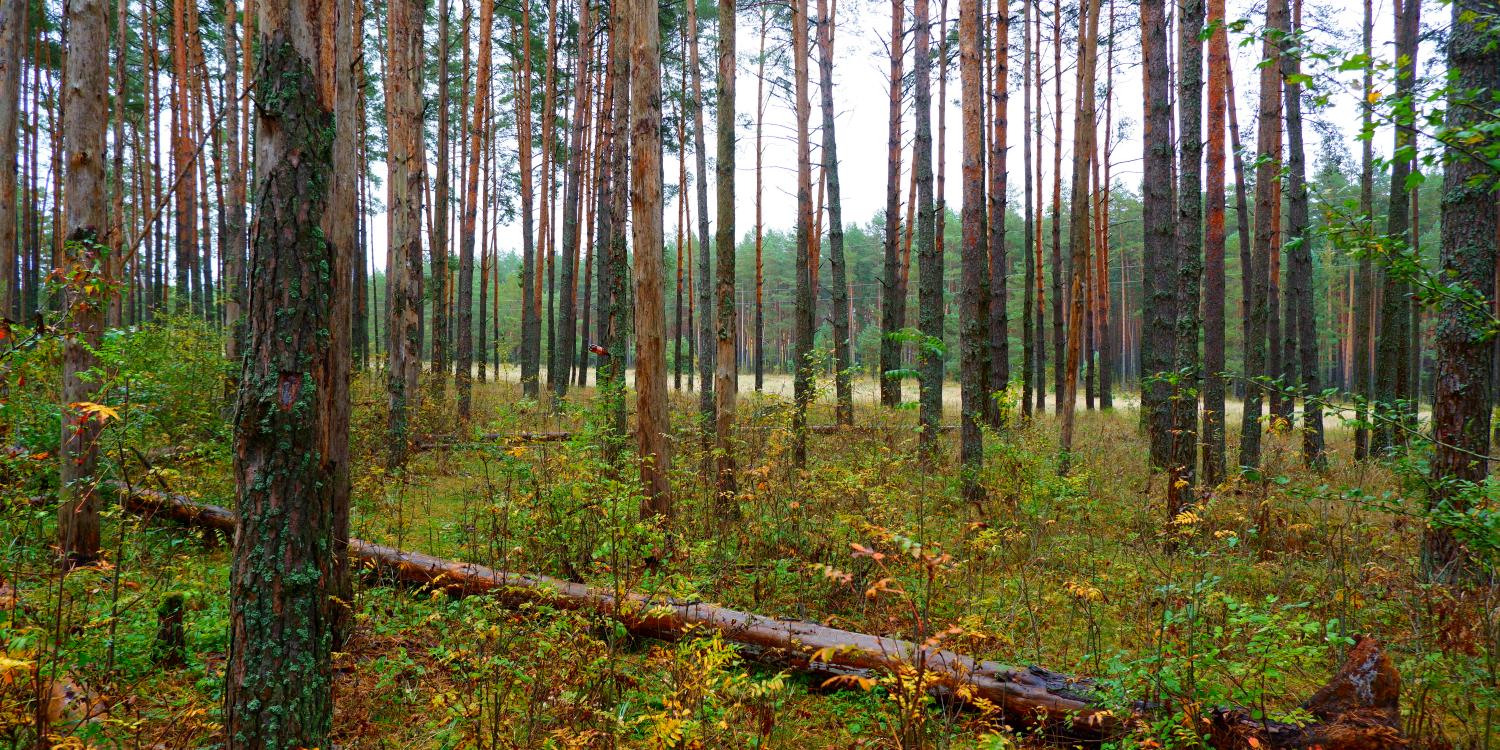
{"points": [[546, 246], [1393, 345], [682, 197], [1039, 332], [844, 361], [1363, 313], [974, 352], [1106, 306], [646, 236], [1242, 220], [85, 117], [1158, 286], [999, 262], [440, 206], [1059, 355], [478, 128], [1267, 168], [1470, 226], [1028, 302], [1299, 257], [802, 385], [760, 153], [531, 326], [613, 277], [278, 679], [1080, 234], [567, 338], [232, 245], [114, 265], [893, 303], [706, 338], [12, 24], [1189, 261], [184, 162], [1213, 251], [726, 372], [340, 227], [404, 261], [930, 262]]}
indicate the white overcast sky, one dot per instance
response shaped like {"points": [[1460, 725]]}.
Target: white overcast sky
{"points": [[861, 72]]}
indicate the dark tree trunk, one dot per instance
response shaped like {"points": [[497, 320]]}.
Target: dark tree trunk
{"points": [[1363, 313], [930, 279], [288, 445], [1470, 222], [1059, 343], [893, 302], [1393, 343], [440, 205], [567, 339], [999, 263], [973, 316], [465, 301], [802, 381], [1268, 160], [844, 361], [1189, 261], [1213, 251], [531, 325], [760, 118], [706, 339], [1028, 300], [12, 25], [726, 373], [1158, 285], [1299, 261]]}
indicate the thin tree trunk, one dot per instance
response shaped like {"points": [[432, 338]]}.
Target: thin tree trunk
{"points": [[843, 360], [531, 329], [1106, 307], [478, 127], [893, 302], [930, 287], [760, 152], [1189, 261], [1213, 251], [999, 262], [726, 373], [12, 28], [572, 205], [1299, 256], [1059, 355], [1080, 233], [1363, 312], [706, 338], [440, 205], [802, 381], [1028, 302], [1158, 286]]}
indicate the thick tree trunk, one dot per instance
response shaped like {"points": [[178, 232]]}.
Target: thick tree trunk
{"points": [[1356, 709], [404, 253], [478, 127], [839, 292], [1470, 224], [85, 117], [288, 445], [1299, 262], [893, 303], [184, 162], [802, 381], [646, 236], [726, 365], [1158, 283], [930, 262]]}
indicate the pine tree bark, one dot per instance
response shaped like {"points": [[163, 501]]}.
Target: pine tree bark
{"points": [[802, 381], [614, 295], [567, 339], [1267, 167], [974, 351], [288, 445], [1080, 232], [440, 206], [1213, 251], [1028, 301], [340, 227], [184, 163], [85, 117], [12, 25], [839, 292], [232, 245], [930, 262], [1364, 281], [531, 326], [404, 261], [706, 339], [1470, 226], [478, 129], [726, 365], [1059, 343], [999, 262], [1158, 287], [893, 303], [760, 153], [1393, 343], [1189, 261], [1299, 260], [646, 237]]}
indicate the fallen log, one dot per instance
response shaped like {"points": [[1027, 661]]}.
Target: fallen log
{"points": [[1357, 710]]}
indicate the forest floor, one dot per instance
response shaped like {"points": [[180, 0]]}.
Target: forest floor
{"points": [[1271, 579]]}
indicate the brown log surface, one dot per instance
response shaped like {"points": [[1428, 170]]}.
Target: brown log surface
{"points": [[1357, 710]]}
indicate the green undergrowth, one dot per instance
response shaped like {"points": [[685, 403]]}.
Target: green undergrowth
{"points": [[1272, 578]]}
